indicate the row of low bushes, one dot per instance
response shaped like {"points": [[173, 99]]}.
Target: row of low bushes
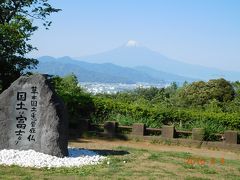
{"points": [[155, 116]]}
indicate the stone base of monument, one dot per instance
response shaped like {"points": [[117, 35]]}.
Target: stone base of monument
{"points": [[33, 117]]}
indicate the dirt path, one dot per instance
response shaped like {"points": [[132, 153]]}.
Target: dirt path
{"points": [[108, 145]]}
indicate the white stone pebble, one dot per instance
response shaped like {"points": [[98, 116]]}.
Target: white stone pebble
{"points": [[30, 158]]}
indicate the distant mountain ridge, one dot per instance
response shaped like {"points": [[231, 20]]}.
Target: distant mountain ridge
{"points": [[132, 55], [104, 72], [130, 63]]}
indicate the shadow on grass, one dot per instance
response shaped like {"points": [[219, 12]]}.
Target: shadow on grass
{"points": [[110, 137], [98, 135], [105, 152]]}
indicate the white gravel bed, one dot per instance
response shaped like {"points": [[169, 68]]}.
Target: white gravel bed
{"points": [[30, 158]]}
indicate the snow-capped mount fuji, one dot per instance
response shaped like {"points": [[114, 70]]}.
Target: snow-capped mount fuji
{"points": [[133, 54]]}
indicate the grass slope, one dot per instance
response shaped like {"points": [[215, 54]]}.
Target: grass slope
{"points": [[136, 163]]}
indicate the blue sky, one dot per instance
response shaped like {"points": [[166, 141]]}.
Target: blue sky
{"points": [[205, 32]]}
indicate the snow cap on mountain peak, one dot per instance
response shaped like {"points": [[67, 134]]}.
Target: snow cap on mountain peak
{"points": [[132, 43]]}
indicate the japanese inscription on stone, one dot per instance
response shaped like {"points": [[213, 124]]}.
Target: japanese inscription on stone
{"points": [[26, 112], [32, 116]]}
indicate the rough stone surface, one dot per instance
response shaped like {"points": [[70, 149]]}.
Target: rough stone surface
{"points": [[198, 134], [33, 117], [168, 131], [138, 129], [231, 137], [110, 128]]}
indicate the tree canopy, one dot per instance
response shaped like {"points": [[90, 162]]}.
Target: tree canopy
{"points": [[17, 19], [200, 93]]}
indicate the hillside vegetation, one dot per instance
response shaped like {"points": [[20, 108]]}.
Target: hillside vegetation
{"points": [[213, 105]]}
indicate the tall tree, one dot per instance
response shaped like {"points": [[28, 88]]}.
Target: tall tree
{"points": [[200, 93], [16, 28]]}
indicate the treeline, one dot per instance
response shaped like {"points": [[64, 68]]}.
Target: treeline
{"points": [[213, 105]]}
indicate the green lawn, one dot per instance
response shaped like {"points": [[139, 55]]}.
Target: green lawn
{"points": [[131, 163]]}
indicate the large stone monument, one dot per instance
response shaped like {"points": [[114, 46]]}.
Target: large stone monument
{"points": [[33, 117]]}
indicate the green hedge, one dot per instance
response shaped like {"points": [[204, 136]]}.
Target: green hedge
{"points": [[155, 116]]}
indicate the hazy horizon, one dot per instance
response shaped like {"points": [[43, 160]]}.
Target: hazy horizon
{"points": [[198, 32]]}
